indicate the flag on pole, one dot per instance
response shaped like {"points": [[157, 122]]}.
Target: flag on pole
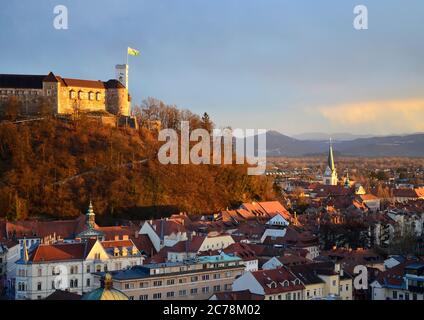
{"points": [[133, 52]]}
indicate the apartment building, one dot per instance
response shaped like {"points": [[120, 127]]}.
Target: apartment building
{"points": [[195, 279], [70, 266], [404, 281]]}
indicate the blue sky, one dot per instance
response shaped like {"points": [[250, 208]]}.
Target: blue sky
{"points": [[293, 66]]}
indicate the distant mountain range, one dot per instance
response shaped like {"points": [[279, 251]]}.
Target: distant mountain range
{"points": [[387, 146], [340, 136]]}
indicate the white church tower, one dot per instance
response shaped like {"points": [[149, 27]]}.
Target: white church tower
{"points": [[122, 74], [330, 174]]}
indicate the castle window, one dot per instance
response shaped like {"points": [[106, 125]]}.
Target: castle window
{"points": [[98, 96], [72, 94], [80, 95], [91, 95]]}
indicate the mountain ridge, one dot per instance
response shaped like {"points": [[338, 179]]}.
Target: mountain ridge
{"points": [[411, 145]]}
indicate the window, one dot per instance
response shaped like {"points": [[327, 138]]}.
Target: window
{"points": [[288, 296], [97, 256], [217, 288], [53, 286], [182, 293], [395, 295], [217, 276], [347, 287], [193, 291], [91, 96], [72, 94], [170, 282], [182, 280], [194, 279], [88, 282], [157, 296], [205, 277], [228, 274], [170, 294], [98, 268], [98, 96], [39, 286], [40, 272], [227, 287], [144, 284], [334, 283], [144, 297], [205, 289], [88, 269], [157, 283], [80, 95]]}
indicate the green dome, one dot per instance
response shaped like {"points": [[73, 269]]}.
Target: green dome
{"points": [[106, 291]]}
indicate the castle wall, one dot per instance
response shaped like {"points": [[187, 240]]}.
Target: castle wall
{"points": [[81, 99], [117, 101], [29, 98]]}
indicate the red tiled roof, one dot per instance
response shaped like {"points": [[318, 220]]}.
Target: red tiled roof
{"points": [[59, 252], [275, 207], [144, 244], [117, 243], [244, 295], [272, 281], [405, 193]]}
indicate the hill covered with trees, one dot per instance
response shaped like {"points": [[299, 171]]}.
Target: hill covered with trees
{"points": [[52, 168]]}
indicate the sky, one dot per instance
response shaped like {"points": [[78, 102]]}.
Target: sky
{"points": [[292, 66]]}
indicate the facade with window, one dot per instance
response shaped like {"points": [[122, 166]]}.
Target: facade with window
{"points": [[70, 266], [402, 282], [196, 279]]}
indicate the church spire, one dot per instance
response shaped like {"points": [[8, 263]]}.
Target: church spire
{"points": [[25, 252], [347, 180], [331, 157], [90, 216]]}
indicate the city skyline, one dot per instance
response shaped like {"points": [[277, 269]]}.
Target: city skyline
{"points": [[291, 67]]}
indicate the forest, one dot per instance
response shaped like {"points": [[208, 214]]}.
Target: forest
{"points": [[52, 168]]}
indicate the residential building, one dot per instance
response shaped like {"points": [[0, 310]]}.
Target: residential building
{"points": [[277, 284], [405, 281], [70, 266], [195, 279]]}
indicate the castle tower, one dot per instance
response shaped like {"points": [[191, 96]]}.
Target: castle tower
{"points": [[330, 174], [122, 74]]}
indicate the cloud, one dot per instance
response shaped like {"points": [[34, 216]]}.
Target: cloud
{"points": [[384, 116]]}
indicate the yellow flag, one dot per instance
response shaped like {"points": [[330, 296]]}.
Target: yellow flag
{"points": [[133, 52]]}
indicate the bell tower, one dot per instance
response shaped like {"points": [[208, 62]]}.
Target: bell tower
{"points": [[330, 174]]}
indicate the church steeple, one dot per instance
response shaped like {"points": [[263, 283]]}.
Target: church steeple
{"points": [[347, 180], [90, 217], [330, 174], [331, 157]]}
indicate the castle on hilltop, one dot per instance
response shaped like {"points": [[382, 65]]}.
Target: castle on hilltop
{"points": [[68, 96]]}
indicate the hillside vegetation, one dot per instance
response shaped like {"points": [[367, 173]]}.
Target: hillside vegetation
{"points": [[52, 168]]}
